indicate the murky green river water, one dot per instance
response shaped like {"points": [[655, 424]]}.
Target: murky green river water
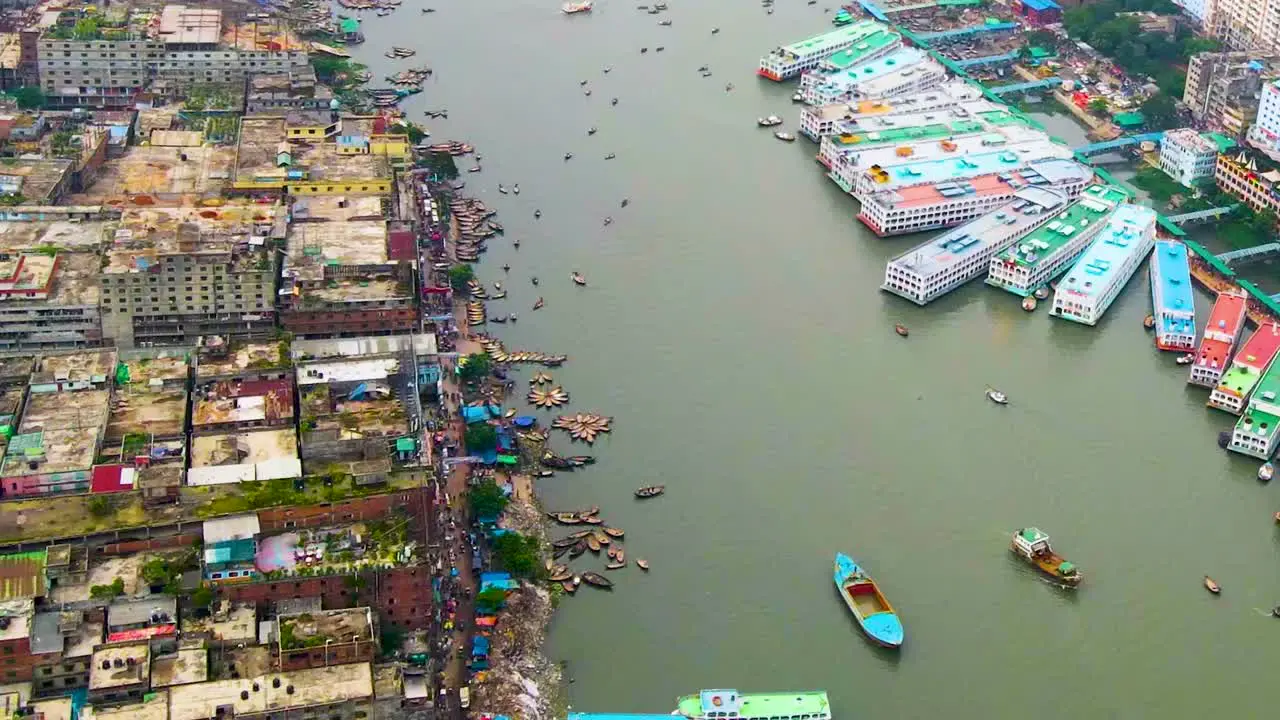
{"points": [[734, 327]]}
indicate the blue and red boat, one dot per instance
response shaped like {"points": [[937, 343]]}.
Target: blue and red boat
{"points": [[869, 606]]}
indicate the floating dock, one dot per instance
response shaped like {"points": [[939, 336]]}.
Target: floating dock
{"points": [[1172, 302], [1220, 336], [1093, 283], [1255, 356]]}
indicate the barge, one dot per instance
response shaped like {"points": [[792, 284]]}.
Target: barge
{"points": [[788, 61], [1106, 266], [1031, 264], [1256, 432], [1173, 305], [1221, 334], [1255, 356], [935, 268]]}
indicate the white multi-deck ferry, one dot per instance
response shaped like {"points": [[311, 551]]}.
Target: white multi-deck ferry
{"points": [[1173, 307], [903, 71], [1044, 254], [1256, 433], [1221, 333], [791, 60], [1255, 356], [935, 268], [817, 121], [1093, 283]]}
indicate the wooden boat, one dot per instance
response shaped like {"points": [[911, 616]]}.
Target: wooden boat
{"points": [[621, 555], [578, 279], [1041, 293], [548, 565], [538, 305], [901, 329], [1266, 472], [510, 413], [581, 534], [1277, 516], [565, 518], [561, 576], [601, 537], [565, 542], [1211, 586], [578, 548], [615, 565], [1185, 359], [544, 473], [644, 564], [592, 543], [597, 580], [592, 521], [593, 510], [1028, 303], [612, 553], [868, 605], [560, 552], [1032, 546], [615, 532], [1149, 322], [997, 397], [651, 491], [569, 586]]}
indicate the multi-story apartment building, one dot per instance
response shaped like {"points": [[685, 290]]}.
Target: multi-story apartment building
{"points": [[282, 92], [1188, 157], [49, 300], [96, 73], [1239, 175], [1264, 134], [174, 274], [1245, 24], [1222, 88]]}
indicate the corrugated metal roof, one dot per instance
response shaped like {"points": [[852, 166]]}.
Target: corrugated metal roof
{"points": [[233, 527]]}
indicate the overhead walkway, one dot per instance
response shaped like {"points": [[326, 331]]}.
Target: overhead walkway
{"points": [[957, 33], [1110, 145], [987, 60], [1252, 254], [1202, 215], [1024, 87]]}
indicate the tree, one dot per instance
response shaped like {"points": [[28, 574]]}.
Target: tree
{"points": [[202, 597], [1159, 111], [391, 638], [517, 553], [480, 437], [487, 499], [442, 164], [156, 571], [99, 506], [1041, 39], [460, 275], [491, 600], [29, 97], [107, 592], [475, 367], [1098, 105]]}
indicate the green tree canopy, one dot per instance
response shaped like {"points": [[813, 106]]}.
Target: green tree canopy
{"points": [[480, 437], [476, 366], [1098, 105], [29, 97], [460, 275], [486, 499], [1160, 111], [442, 164], [1156, 54], [518, 554]]}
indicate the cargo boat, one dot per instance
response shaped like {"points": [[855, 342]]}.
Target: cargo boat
{"points": [[1032, 546], [1047, 252], [861, 594], [720, 704], [1221, 333], [789, 61], [1173, 306], [1106, 266], [1250, 363]]}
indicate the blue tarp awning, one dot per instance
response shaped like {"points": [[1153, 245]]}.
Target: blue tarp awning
{"points": [[525, 421], [471, 414], [480, 646], [502, 581]]}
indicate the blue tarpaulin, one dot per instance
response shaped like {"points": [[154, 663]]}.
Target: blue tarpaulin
{"points": [[472, 414], [525, 421], [499, 580], [480, 646]]}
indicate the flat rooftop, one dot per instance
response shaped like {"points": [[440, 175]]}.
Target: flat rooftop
{"points": [[71, 279], [76, 367], [1116, 243], [254, 446], [877, 125], [61, 428], [347, 370], [1043, 173], [146, 236], [183, 25], [125, 664], [1191, 140], [155, 707], [323, 163], [261, 138], [161, 172], [187, 665], [297, 690], [63, 235], [1008, 158], [241, 357], [958, 141], [1227, 313], [22, 575], [313, 247], [1093, 206], [1261, 347], [339, 626], [850, 78], [243, 401], [868, 46], [1018, 216], [238, 622], [19, 612], [36, 179], [828, 41], [1177, 313]]}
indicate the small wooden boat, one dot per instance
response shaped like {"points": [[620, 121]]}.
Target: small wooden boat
{"points": [[565, 518], [997, 397], [578, 279], [592, 543], [614, 532], [1277, 516], [561, 576], [601, 537], [581, 534], [593, 510], [544, 473], [597, 580], [610, 156], [1149, 322], [612, 553], [564, 542], [901, 330], [510, 413], [1266, 472], [592, 520], [644, 564], [569, 586], [621, 555], [1185, 359], [578, 548], [548, 565], [1032, 546], [785, 136], [538, 305], [651, 491], [1211, 586], [1028, 303], [560, 552], [1041, 293], [868, 605], [615, 565]]}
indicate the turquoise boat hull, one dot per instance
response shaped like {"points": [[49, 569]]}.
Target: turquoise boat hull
{"points": [[867, 604]]}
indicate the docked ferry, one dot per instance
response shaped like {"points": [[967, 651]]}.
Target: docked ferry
{"points": [[1173, 306], [1221, 333], [1257, 432], [730, 704], [789, 61], [1255, 356], [1097, 278]]}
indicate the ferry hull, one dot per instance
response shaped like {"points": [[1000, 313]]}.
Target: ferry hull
{"points": [[769, 74]]}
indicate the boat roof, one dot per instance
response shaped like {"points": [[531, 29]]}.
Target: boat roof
{"points": [[833, 39], [869, 45], [618, 716], [1016, 217], [757, 705], [1267, 392], [1227, 314], [918, 128], [862, 74], [1258, 351], [1033, 535], [1094, 204], [1257, 421], [963, 140], [882, 118], [1101, 262], [1177, 311], [1009, 158]]}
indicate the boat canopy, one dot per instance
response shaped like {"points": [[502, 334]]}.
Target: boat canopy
{"points": [[1067, 567]]}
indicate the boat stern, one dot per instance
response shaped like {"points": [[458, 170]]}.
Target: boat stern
{"points": [[885, 629]]}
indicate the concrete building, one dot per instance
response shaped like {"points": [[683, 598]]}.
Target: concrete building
{"points": [[331, 637], [63, 644], [120, 673], [1251, 25], [36, 181], [1240, 176], [175, 274], [337, 692], [1188, 157], [49, 300], [296, 89], [1222, 88], [1264, 134]]}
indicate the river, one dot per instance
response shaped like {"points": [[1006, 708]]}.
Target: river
{"points": [[734, 326]]}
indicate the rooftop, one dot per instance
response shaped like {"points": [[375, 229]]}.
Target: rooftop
{"points": [[1017, 216], [154, 707], [150, 397], [240, 357], [858, 76], [187, 665], [219, 402], [870, 44], [250, 447], [275, 692], [952, 141], [147, 237], [36, 179], [338, 550], [161, 172], [19, 613], [998, 160], [1095, 204], [1261, 347], [47, 634], [313, 629], [77, 367], [65, 236], [182, 25], [1191, 140], [119, 665], [1118, 240], [1177, 313], [230, 622], [154, 610], [59, 431], [1225, 321], [863, 127], [828, 41]]}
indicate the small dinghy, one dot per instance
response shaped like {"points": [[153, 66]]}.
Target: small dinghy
{"points": [[601, 537], [578, 279], [516, 188], [876, 617], [565, 518], [592, 543], [544, 473], [610, 156], [1212, 586], [614, 532], [997, 397], [1028, 303], [565, 542], [475, 168], [769, 121], [534, 281], [785, 136], [538, 305], [644, 564], [502, 190], [570, 586], [1185, 359], [578, 548], [1266, 472], [651, 491], [1041, 293], [1149, 322], [561, 576], [591, 131], [901, 330], [593, 521], [613, 101], [597, 580], [797, 98], [615, 565]]}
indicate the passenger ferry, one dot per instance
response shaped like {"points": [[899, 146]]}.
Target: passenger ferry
{"points": [[1097, 278], [1047, 252], [1255, 356], [732, 705], [874, 115], [1221, 333], [1173, 306], [952, 259], [905, 70], [1258, 429], [789, 61]]}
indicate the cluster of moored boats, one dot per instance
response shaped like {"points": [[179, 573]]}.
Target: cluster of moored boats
{"points": [[397, 53], [568, 464], [499, 354], [584, 426], [547, 398], [476, 313], [594, 540], [474, 227]]}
